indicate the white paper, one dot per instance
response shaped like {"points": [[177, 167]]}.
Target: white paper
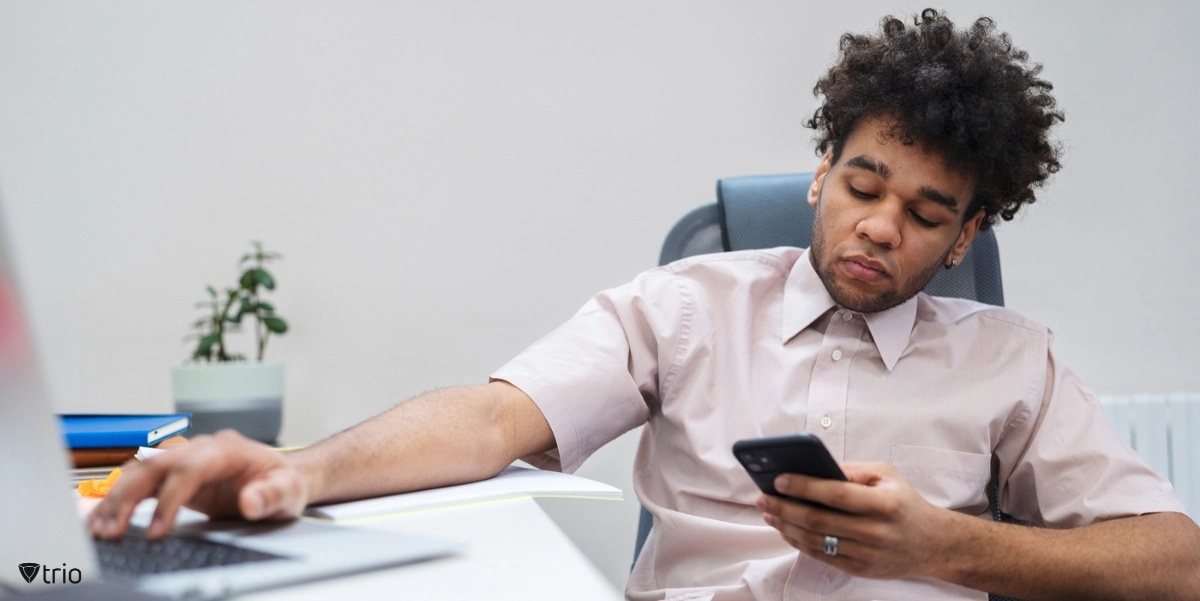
{"points": [[513, 482]]}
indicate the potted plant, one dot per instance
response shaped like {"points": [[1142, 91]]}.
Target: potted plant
{"points": [[220, 388]]}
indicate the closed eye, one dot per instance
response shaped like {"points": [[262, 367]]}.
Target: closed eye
{"points": [[924, 222], [859, 193]]}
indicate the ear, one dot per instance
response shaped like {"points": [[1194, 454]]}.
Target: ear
{"points": [[814, 189], [965, 238]]}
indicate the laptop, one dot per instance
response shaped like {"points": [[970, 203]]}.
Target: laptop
{"points": [[44, 543]]}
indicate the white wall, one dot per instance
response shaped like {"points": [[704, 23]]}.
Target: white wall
{"points": [[450, 180]]}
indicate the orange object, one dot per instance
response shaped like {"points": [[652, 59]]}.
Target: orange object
{"points": [[97, 489]]}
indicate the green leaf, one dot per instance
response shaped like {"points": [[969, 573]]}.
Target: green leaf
{"points": [[266, 307], [199, 323], [234, 319], [275, 324], [212, 291], [245, 257], [249, 280], [265, 279], [206, 343]]}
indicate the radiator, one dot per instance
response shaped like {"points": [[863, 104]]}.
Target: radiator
{"points": [[1164, 429]]}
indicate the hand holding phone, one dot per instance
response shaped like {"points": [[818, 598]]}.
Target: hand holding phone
{"points": [[802, 453]]}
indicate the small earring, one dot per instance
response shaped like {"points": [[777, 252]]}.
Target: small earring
{"points": [[953, 263]]}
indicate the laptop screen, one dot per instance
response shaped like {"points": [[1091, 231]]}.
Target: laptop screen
{"points": [[39, 522]]}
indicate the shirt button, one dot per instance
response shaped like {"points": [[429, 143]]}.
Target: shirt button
{"points": [[837, 355], [826, 422], [847, 316]]}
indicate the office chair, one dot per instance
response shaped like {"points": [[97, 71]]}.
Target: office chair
{"points": [[765, 211]]}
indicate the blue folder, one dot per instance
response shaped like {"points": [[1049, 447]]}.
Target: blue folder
{"points": [[98, 431]]}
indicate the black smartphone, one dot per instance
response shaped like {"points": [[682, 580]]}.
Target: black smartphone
{"points": [[801, 453]]}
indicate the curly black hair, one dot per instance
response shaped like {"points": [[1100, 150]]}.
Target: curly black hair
{"points": [[968, 96]]}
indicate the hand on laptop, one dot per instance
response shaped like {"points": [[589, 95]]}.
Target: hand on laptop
{"points": [[224, 475]]}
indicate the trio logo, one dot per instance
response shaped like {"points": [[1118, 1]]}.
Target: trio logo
{"points": [[29, 571]]}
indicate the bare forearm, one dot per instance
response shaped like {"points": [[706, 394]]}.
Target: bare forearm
{"points": [[444, 437], [1154, 556]]}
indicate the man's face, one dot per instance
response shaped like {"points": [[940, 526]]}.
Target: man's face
{"points": [[889, 215]]}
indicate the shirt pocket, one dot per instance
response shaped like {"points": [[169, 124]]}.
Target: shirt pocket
{"points": [[946, 478]]}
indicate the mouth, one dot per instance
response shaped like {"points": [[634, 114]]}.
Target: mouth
{"points": [[864, 269]]}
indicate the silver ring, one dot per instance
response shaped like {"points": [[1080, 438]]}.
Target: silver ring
{"points": [[831, 546]]}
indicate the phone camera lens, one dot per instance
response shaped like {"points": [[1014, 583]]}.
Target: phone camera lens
{"points": [[754, 467], [747, 457], [765, 461]]}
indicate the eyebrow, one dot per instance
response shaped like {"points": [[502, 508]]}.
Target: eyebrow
{"points": [[863, 161], [945, 200]]}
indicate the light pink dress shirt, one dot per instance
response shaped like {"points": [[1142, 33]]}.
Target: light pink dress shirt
{"points": [[716, 348]]}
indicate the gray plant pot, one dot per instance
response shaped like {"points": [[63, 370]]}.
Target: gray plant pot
{"points": [[245, 396]]}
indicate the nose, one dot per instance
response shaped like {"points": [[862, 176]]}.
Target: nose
{"points": [[881, 224]]}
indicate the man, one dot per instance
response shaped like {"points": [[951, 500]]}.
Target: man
{"points": [[929, 135]]}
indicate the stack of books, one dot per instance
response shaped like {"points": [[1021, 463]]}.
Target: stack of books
{"points": [[100, 443]]}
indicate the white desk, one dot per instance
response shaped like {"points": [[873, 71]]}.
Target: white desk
{"points": [[513, 550]]}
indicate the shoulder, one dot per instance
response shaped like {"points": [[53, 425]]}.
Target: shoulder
{"points": [[754, 264], [944, 311]]}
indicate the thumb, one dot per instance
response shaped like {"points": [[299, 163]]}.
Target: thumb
{"points": [[252, 501], [274, 495], [867, 474]]}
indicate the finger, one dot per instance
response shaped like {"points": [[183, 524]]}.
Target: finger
{"points": [[138, 481], [817, 519], [845, 496], [866, 473], [799, 536], [98, 517], [178, 488], [104, 515], [103, 508], [277, 494], [846, 564]]}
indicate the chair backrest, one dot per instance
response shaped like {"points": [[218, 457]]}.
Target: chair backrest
{"points": [[765, 211]]}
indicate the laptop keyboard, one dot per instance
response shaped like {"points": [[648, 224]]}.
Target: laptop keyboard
{"points": [[133, 555]]}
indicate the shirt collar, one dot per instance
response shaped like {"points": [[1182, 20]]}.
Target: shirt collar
{"points": [[805, 299]]}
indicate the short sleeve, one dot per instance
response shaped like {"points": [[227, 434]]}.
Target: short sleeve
{"points": [[601, 374], [1067, 467]]}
